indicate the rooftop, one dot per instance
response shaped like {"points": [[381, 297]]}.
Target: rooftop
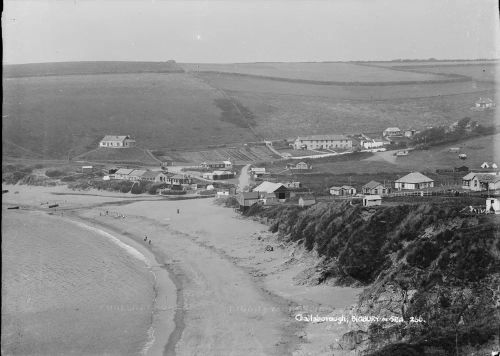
{"points": [[414, 177], [114, 138], [372, 184], [268, 187], [323, 137]]}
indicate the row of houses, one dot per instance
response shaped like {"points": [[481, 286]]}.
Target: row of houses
{"points": [[136, 175], [411, 181]]}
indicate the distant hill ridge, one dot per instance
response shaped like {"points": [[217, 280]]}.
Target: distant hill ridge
{"points": [[87, 68]]}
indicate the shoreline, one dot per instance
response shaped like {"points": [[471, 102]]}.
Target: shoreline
{"points": [[164, 279], [211, 255]]}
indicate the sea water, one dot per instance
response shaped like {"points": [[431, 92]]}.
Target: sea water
{"points": [[70, 288]]}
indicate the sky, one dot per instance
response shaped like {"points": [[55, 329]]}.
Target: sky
{"points": [[229, 31]]}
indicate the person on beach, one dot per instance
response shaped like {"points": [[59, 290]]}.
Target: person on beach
{"points": [[150, 241], [145, 237], [178, 211]]}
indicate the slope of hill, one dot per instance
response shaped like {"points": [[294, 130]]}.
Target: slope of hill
{"points": [[126, 155], [82, 68], [57, 115], [57, 109]]}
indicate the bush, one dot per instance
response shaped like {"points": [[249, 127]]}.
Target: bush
{"points": [[53, 173]]}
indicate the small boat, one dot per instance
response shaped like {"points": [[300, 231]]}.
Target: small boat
{"points": [[13, 207], [5, 191], [53, 206]]}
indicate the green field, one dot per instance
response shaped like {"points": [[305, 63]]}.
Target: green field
{"points": [[52, 110]]}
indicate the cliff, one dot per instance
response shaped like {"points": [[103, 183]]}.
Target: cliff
{"points": [[431, 268]]}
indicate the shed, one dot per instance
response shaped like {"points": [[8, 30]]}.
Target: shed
{"points": [[371, 200], [279, 190], [493, 205]]}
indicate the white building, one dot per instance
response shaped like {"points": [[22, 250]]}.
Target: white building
{"points": [[314, 142], [414, 180], [371, 200], [392, 131], [117, 142], [492, 205]]}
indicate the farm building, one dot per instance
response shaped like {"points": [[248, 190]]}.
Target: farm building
{"points": [[371, 200], [217, 165], [87, 169], [157, 177], [344, 190], [247, 199], [375, 188], [454, 149], [392, 131], [486, 165], [279, 190], [313, 142], [484, 103], [493, 205], [218, 175], [117, 142], [301, 166], [414, 180], [306, 200]]}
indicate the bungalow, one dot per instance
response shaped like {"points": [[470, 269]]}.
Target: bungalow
{"points": [[371, 200], [217, 164], [343, 190], [136, 175], [301, 166], [257, 170], [279, 190], [409, 133], [247, 199], [375, 188], [218, 175], [178, 179], [414, 180], [313, 142], [392, 131], [110, 141], [122, 173], [368, 144], [306, 200], [154, 176]]}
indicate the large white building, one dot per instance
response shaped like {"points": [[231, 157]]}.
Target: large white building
{"points": [[314, 142], [117, 142]]}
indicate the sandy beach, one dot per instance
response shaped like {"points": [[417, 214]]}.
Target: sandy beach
{"points": [[224, 293]]}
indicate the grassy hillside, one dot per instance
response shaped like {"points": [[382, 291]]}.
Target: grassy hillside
{"points": [[54, 114], [50, 109], [426, 261]]}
